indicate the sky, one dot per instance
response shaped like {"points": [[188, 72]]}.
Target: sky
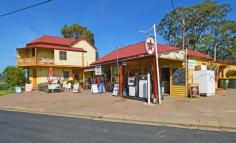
{"points": [[113, 22]]}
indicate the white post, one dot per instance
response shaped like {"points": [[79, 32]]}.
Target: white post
{"points": [[157, 65], [117, 65], [148, 88]]}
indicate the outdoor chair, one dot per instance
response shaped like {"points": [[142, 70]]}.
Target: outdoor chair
{"points": [[76, 87], [68, 86]]}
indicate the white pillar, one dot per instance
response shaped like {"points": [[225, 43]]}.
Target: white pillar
{"points": [[157, 65], [149, 88]]}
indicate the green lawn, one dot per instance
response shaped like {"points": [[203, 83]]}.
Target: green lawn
{"points": [[5, 92]]}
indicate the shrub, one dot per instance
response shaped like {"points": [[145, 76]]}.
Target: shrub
{"points": [[2, 78], [42, 86], [71, 81], [213, 66], [14, 76], [4, 86]]}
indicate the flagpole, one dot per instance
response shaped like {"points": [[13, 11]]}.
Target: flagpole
{"points": [[157, 64], [156, 59]]}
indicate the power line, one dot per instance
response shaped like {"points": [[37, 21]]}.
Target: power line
{"points": [[172, 3], [15, 11]]}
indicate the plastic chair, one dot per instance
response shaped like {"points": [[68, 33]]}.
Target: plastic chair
{"points": [[76, 88], [68, 86]]}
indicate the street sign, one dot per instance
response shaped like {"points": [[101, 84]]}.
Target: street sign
{"points": [[150, 45]]}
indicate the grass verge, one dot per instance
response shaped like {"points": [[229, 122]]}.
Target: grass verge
{"points": [[6, 92]]}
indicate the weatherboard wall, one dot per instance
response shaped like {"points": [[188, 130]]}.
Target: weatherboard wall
{"points": [[73, 58], [90, 54]]}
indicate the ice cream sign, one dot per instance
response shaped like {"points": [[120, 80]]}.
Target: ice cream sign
{"points": [[150, 45]]}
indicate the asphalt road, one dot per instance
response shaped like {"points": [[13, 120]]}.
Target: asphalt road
{"points": [[18, 127]]}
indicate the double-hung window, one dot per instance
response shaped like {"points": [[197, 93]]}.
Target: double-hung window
{"points": [[63, 55]]}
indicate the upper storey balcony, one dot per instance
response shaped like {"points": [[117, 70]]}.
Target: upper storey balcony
{"points": [[34, 56]]}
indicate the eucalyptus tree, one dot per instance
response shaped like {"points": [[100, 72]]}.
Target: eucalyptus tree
{"points": [[206, 27]]}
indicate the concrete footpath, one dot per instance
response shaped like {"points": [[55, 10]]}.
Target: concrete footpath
{"points": [[212, 113]]}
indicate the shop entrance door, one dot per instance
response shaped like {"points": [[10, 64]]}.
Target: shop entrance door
{"points": [[165, 80]]}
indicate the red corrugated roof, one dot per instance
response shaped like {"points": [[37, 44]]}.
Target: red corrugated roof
{"points": [[138, 49], [53, 40], [198, 54], [58, 47]]}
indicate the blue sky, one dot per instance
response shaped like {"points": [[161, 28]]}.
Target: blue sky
{"points": [[114, 22]]}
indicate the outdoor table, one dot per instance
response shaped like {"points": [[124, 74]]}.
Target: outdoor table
{"points": [[54, 87]]}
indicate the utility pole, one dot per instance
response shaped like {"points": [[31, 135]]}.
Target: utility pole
{"points": [[183, 30], [186, 57], [117, 64], [215, 52]]}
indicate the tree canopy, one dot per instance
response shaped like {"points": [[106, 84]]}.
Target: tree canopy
{"points": [[77, 31], [14, 76], [205, 26]]}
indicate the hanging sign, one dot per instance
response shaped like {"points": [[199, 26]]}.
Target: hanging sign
{"points": [[150, 45], [98, 70]]}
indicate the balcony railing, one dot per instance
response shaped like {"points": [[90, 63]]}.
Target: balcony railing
{"points": [[42, 60], [26, 61], [35, 61]]}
